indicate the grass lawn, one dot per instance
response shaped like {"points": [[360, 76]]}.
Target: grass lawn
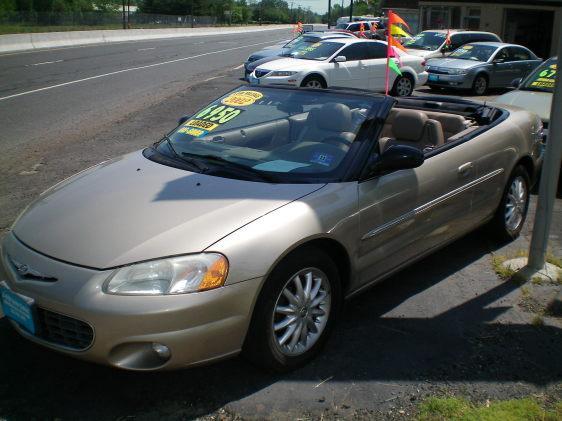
{"points": [[452, 408]]}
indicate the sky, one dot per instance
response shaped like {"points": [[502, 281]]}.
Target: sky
{"points": [[318, 6]]}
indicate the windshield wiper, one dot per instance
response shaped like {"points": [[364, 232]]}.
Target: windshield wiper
{"points": [[200, 167], [231, 164]]}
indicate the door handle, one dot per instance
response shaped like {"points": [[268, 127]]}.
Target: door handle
{"points": [[465, 169]]}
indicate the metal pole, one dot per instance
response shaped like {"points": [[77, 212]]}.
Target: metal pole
{"points": [[329, 12], [351, 11], [124, 22], [549, 178]]}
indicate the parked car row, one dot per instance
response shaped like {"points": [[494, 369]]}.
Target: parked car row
{"points": [[456, 59]]}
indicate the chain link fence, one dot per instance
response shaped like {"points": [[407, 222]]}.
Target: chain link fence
{"points": [[104, 19]]}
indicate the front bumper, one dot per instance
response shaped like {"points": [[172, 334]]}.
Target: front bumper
{"points": [[293, 80], [450, 81], [196, 328]]}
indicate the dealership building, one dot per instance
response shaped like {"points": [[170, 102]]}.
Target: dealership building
{"points": [[534, 24]]}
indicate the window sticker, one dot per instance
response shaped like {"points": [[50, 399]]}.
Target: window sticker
{"points": [[322, 159], [280, 165], [192, 131], [198, 124], [219, 114], [242, 98], [546, 78]]}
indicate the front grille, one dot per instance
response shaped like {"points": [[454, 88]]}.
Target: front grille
{"points": [[438, 71], [63, 330], [260, 73]]}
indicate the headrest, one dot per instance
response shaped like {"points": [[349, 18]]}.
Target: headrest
{"points": [[453, 123], [334, 117], [408, 125]]}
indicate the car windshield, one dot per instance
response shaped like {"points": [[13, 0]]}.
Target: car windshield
{"points": [[543, 77], [318, 51], [264, 132], [426, 41], [301, 45], [474, 52], [295, 41]]}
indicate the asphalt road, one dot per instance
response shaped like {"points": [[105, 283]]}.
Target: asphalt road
{"points": [[446, 325]]}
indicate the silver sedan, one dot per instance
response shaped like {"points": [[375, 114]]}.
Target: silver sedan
{"points": [[245, 228], [481, 65]]}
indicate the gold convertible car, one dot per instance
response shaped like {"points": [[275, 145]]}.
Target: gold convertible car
{"points": [[244, 229]]}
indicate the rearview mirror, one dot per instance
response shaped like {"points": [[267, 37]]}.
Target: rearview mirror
{"points": [[396, 157], [183, 119], [340, 59], [516, 82]]}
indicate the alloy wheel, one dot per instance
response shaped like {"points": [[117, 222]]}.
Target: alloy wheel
{"points": [[301, 312], [480, 85], [314, 83], [516, 203], [404, 87]]}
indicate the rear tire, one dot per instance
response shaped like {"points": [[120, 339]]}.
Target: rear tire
{"points": [[512, 211], [265, 343], [403, 86], [315, 82]]}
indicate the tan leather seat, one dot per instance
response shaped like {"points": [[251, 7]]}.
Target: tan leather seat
{"points": [[413, 128], [331, 121], [452, 124]]}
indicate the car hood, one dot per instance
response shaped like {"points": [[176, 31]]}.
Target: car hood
{"points": [[289, 64], [539, 103], [132, 209], [419, 53], [252, 66], [272, 52], [454, 63]]}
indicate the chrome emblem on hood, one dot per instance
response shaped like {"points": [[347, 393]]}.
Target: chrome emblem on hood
{"points": [[26, 271]]}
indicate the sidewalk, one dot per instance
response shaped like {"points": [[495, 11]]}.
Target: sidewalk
{"points": [[32, 41]]}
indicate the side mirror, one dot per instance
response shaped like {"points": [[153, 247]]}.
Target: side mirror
{"points": [[340, 59], [446, 49], [183, 119], [516, 82], [397, 157]]}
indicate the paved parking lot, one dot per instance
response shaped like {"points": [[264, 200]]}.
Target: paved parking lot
{"points": [[446, 325]]}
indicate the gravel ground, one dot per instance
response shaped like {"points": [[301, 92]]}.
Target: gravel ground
{"points": [[447, 325]]}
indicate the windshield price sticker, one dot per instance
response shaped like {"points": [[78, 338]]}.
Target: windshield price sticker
{"points": [[242, 98], [197, 128], [546, 78], [219, 113]]}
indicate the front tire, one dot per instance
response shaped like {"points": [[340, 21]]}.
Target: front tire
{"points": [[315, 82], [480, 85], [403, 86], [512, 212], [295, 312]]}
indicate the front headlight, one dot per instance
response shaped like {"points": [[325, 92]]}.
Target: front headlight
{"points": [[458, 71], [282, 73], [177, 275]]}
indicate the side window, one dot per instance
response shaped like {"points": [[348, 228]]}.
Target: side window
{"points": [[457, 40], [517, 54], [376, 50], [356, 52], [354, 27], [502, 55]]}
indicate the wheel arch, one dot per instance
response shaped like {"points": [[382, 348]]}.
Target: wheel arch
{"points": [[315, 74], [527, 163]]}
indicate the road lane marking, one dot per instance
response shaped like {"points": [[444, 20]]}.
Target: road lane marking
{"points": [[44, 62], [238, 67], [146, 49], [129, 70], [214, 77]]}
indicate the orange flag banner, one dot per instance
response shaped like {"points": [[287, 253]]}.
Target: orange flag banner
{"points": [[395, 43], [394, 18]]}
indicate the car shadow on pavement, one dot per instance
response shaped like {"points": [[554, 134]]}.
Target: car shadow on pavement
{"points": [[373, 342]]}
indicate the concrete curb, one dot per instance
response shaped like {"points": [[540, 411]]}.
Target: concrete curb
{"points": [[22, 42]]}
